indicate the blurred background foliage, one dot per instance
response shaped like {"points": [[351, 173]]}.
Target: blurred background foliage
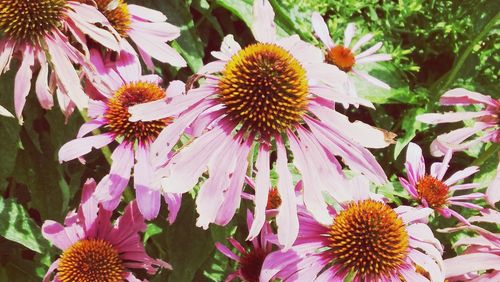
{"points": [[436, 45]]}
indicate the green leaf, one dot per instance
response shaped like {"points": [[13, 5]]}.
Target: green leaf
{"points": [[410, 125], [17, 226]]}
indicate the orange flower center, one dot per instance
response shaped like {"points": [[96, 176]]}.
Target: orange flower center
{"points": [[117, 114], [30, 20], [251, 264], [273, 199], [264, 89], [342, 57], [116, 11], [90, 260], [368, 237], [433, 191]]}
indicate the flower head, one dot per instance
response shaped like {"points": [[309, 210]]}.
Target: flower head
{"points": [[431, 190], [250, 259], [366, 238], [486, 122], [122, 85], [146, 27], [479, 261], [95, 250], [264, 95], [41, 40], [345, 56]]}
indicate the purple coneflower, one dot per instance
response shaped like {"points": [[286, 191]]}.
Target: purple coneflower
{"points": [[95, 250], [267, 94], [431, 190], [122, 85], [345, 57], [365, 240], [34, 31], [145, 27]]}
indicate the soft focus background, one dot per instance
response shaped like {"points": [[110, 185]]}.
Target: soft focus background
{"points": [[436, 45]]}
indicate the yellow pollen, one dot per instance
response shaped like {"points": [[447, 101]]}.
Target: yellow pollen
{"points": [[264, 89], [433, 191], [117, 114], [90, 260], [369, 238], [342, 57], [30, 20], [117, 14]]}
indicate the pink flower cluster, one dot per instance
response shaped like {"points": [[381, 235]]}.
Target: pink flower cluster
{"points": [[263, 115]]}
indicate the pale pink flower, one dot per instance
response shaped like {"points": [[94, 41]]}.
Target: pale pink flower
{"points": [[366, 238], [93, 249], [431, 190], [267, 94], [480, 260], [346, 57], [122, 85], [250, 259], [40, 41], [145, 27], [486, 125], [486, 121]]}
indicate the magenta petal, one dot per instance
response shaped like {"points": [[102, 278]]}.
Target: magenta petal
{"points": [[23, 80], [228, 253], [81, 146], [174, 205], [89, 208], [62, 237]]}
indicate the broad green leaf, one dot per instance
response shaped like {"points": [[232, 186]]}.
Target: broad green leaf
{"points": [[17, 226]]}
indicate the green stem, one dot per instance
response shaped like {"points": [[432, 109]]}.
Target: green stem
{"points": [[495, 147]]}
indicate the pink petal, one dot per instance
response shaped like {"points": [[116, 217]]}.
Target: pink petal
{"points": [[321, 30], [96, 108], [23, 80], [450, 117], [162, 30], [157, 48], [460, 96], [62, 237], [461, 174], [452, 139], [6, 51], [369, 51], [415, 165], [42, 88], [373, 59], [174, 205], [52, 268], [148, 199], [262, 186], [184, 173], [228, 253], [371, 79], [428, 264], [81, 146], [287, 220], [466, 263], [361, 42], [66, 74], [263, 28], [161, 109], [89, 126], [89, 208], [304, 52], [228, 48], [349, 34], [146, 14]]}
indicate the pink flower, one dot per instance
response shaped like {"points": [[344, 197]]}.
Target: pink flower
{"points": [[346, 57], [250, 260], [486, 121], [431, 190], [40, 41], [479, 261], [122, 85], [366, 238], [93, 248], [147, 28], [267, 94]]}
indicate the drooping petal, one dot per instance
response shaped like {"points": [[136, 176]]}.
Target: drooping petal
{"points": [[81, 146], [461, 96], [42, 88], [148, 198], [23, 80]]}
